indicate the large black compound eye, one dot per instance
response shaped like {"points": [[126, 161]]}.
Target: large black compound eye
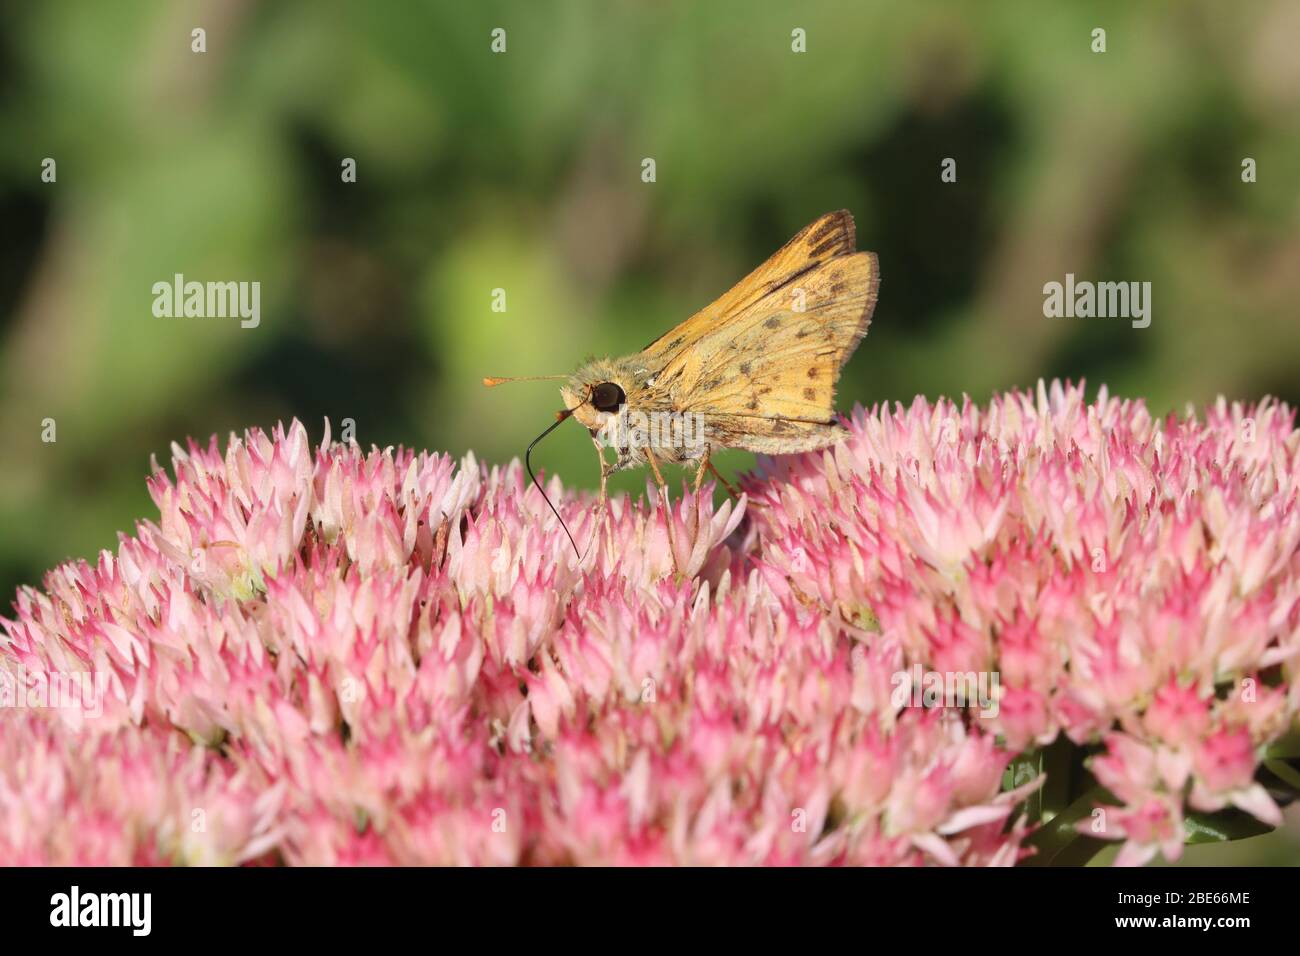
{"points": [[607, 397]]}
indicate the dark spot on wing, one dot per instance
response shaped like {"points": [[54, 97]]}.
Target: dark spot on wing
{"points": [[812, 371], [773, 323], [744, 368], [810, 394]]}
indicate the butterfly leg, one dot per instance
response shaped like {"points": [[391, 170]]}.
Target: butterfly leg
{"points": [[726, 484], [668, 510], [707, 465], [699, 471], [605, 469], [605, 520], [602, 502]]}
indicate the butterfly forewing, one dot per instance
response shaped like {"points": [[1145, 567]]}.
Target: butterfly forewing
{"points": [[826, 237], [762, 361]]}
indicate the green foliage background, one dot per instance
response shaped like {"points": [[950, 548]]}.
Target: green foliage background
{"points": [[522, 171]]}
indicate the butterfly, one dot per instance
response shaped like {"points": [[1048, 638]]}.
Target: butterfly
{"points": [[755, 370]]}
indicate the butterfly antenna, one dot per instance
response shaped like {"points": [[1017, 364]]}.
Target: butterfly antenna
{"points": [[560, 416]]}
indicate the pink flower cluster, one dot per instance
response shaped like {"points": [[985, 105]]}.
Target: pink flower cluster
{"points": [[344, 657]]}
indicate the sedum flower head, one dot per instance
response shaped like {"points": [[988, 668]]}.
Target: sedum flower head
{"points": [[333, 656]]}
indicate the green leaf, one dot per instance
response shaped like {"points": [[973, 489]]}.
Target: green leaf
{"points": [[1059, 843], [1222, 826], [1284, 772], [1284, 747]]}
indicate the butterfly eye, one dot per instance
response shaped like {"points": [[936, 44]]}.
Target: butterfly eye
{"points": [[607, 397]]}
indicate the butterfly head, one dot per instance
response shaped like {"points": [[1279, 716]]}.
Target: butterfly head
{"points": [[595, 393]]}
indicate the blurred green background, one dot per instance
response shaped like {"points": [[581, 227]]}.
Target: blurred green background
{"points": [[522, 171]]}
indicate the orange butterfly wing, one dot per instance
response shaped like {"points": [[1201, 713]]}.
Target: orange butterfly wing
{"points": [[761, 362]]}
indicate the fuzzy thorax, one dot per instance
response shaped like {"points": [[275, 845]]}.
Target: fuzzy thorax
{"points": [[636, 425]]}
